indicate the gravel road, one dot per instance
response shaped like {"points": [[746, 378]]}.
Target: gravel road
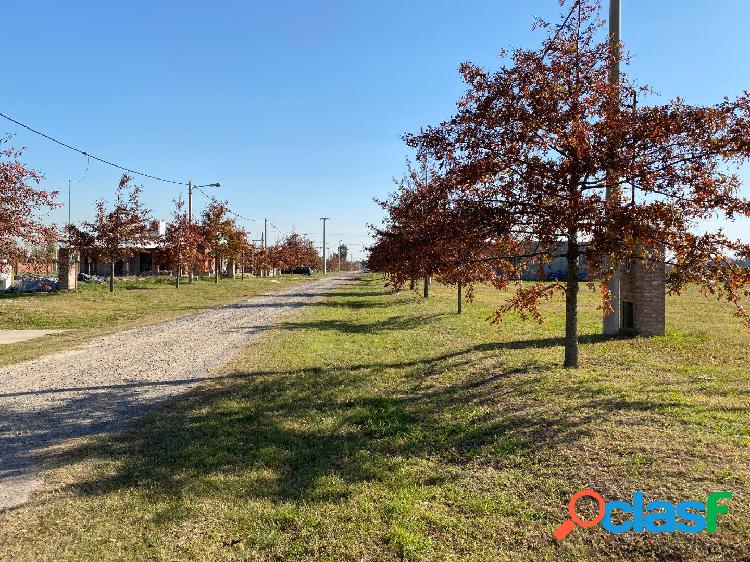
{"points": [[99, 386]]}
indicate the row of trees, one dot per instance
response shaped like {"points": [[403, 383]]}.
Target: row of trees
{"points": [[546, 158], [117, 232], [126, 226], [339, 260]]}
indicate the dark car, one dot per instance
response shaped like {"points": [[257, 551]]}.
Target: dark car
{"points": [[298, 271]]}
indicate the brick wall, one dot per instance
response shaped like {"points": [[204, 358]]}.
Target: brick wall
{"points": [[643, 286], [39, 268]]}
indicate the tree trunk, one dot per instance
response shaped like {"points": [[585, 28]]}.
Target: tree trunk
{"points": [[412, 284], [460, 304], [217, 264], [111, 276], [571, 305], [427, 287]]}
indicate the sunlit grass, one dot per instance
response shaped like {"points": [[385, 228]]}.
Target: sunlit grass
{"points": [[380, 426], [93, 310]]}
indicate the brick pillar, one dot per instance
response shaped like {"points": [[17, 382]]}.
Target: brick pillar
{"points": [[67, 269], [642, 294]]}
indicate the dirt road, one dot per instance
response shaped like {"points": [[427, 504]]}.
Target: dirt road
{"points": [[100, 386]]}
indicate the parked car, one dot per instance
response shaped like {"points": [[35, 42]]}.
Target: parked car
{"points": [[298, 271]]}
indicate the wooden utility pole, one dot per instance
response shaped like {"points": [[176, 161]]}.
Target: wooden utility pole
{"points": [[611, 321]]}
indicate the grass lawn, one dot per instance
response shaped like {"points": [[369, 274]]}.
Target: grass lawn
{"points": [[93, 310], [380, 426]]}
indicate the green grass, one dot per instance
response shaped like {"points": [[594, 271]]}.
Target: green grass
{"points": [[93, 310], [379, 426]]}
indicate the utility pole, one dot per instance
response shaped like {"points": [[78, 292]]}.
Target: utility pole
{"points": [[325, 266], [190, 218], [190, 226], [264, 237], [611, 321], [68, 209]]}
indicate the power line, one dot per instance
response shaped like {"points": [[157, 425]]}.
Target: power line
{"points": [[89, 155], [228, 210], [576, 4]]}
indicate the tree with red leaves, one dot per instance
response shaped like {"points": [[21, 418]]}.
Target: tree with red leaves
{"points": [[296, 250], [115, 234], [261, 260], [538, 143], [434, 229], [215, 228], [238, 246], [22, 205], [179, 245]]}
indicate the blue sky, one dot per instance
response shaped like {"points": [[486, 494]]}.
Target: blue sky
{"points": [[297, 107]]}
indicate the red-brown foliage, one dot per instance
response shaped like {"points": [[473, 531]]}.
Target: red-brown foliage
{"points": [[521, 171], [22, 205]]}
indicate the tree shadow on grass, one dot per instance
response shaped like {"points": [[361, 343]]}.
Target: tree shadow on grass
{"points": [[195, 433], [392, 323], [352, 304], [13, 295], [293, 432]]}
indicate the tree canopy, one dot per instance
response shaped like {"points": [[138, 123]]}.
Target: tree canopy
{"points": [[22, 207], [118, 232], [522, 170]]}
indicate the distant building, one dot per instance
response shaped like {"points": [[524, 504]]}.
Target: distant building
{"points": [[642, 288], [143, 259], [557, 268]]}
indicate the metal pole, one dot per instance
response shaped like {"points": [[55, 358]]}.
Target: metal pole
{"points": [[325, 266], [190, 226], [264, 243], [611, 321]]}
